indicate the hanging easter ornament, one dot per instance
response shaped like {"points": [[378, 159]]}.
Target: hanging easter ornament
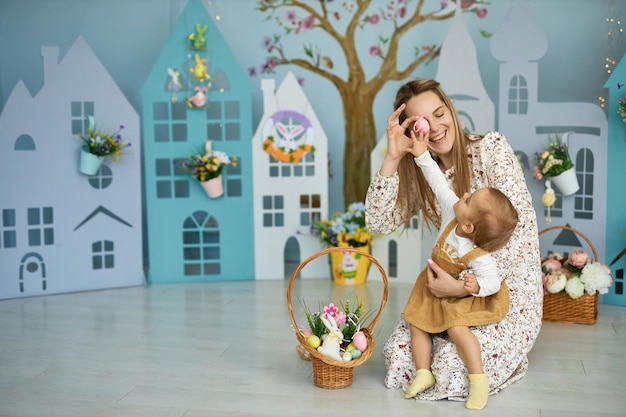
{"points": [[547, 199], [198, 100], [289, 127], [200, 70], [174, 84], [197, 40]]}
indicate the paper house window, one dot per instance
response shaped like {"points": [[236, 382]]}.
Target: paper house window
{"points": [[223, 120], [172, 181], [102, 256], [201, 245], [9, 231], [310, 209], [583, 200], [170, 121], [233, 180], [518, 95], [80, 110], [102, 179], [618, 276], [304, 168], [40, 229], [24, 143], [273, 211], [392, 267]]}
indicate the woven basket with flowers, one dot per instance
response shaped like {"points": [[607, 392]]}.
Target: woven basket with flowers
{"points": [[572, 284], [347, 341]]}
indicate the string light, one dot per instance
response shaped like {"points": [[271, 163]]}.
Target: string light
{"points": [[212, 7], [613, 38], [613, 43]]}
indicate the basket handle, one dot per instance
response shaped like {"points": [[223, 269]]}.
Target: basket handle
{"points": [[328, 250], [578, 232]]}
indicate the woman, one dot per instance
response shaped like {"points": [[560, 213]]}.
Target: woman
{"points": [[400, 191]]}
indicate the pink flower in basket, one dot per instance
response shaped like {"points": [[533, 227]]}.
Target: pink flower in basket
{"points": [[578, 259], [576, 272], [551, 265], [331, 310]]}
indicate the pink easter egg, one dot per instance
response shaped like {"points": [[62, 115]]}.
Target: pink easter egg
{"points": [[421, 125], [360, 341]]}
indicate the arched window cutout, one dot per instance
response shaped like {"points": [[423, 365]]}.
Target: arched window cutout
{"points": [[219, 81], [518, 95], [201, 245], [24, 143], [583, 200], [393, 259], [291, 255]]}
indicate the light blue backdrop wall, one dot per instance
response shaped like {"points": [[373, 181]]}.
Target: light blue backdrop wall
{"points": [[127, 36]]}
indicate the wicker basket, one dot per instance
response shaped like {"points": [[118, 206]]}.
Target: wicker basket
{"points": [[327, 372], [561, 307]]}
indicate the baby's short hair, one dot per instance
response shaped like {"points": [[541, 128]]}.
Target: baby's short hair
{"points": [[495, 221]]}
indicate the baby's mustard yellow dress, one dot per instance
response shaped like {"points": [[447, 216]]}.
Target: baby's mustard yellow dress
{"points": [[435, 315]]}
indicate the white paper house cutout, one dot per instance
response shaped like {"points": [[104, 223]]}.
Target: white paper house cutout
{"points": [[288, 197]]}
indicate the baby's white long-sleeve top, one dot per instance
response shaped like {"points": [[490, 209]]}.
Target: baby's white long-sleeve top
{"points": [[484, 267]]}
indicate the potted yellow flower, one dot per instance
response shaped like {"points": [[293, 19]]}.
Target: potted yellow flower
{"points": [[347, 230], [206, 167]]}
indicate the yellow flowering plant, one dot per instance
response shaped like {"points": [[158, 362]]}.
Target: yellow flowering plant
{"points": [[205, 166], [345, 229]]}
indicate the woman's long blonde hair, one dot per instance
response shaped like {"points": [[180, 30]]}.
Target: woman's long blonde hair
{"points": [[415, 195]]}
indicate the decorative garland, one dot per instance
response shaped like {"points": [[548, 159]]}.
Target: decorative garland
{"points": [[281, 153]]}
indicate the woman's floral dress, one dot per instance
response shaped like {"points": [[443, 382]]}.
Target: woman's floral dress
{"points": [[504, 345]]}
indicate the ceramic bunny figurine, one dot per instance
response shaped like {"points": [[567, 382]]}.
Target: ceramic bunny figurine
{"points": [[332, 341]]}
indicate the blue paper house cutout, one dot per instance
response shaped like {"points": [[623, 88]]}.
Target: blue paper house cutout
{"points": [[192, 237], [616, 197]]}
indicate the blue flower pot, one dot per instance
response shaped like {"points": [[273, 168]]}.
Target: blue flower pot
{"points": [[89, 163]]}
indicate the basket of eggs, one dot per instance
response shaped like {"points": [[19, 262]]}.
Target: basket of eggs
{"points": [[345, 341]]}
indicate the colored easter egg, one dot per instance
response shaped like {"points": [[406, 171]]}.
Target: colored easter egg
{"points": [[313, 341], [356, 354], [360, 341], [421, 125]]}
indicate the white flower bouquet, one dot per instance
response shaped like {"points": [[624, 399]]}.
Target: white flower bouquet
{"points": [[577, 274]]}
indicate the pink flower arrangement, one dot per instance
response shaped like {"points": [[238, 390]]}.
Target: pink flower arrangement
{"points": [[575, 275], [349, 317]]}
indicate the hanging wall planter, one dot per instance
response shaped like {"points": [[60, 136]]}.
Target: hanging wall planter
{"points": [[567, 182], [214, 187], [206, 166], [556, 165], [97, 146], [89, 163]]}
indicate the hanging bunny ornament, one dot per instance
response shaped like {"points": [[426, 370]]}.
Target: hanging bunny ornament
{"points": [[547, 199], [174, 84]]}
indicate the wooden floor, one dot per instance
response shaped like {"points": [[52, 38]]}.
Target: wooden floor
{"points": [[227, 349]]}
